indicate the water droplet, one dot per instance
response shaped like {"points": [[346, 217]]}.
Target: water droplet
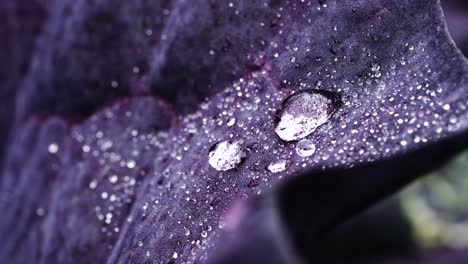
{"points": [[375, 67], [305, 148], [304, 112], [53, 148], [86, 148], [93, 184], [104, 195], [225, 155], [231, 121], [131, 164], [278, 166], [446, 107], [113, 179]]}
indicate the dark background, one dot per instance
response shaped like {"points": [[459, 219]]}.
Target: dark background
{"points": [[456, 15]]}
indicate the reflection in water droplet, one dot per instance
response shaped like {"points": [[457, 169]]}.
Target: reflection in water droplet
{"points": [[225, 155], [303, 113], [278, 166], [305, 148]]}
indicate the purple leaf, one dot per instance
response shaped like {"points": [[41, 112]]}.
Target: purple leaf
{"points": [[20, 23], [388, 94]]}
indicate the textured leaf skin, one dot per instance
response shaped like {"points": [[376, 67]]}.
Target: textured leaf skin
{"points": [[247, 59], [58, 206]]}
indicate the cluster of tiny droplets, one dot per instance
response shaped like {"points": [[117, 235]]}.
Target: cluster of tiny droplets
{"points": [[115, 160], [110, 163]]}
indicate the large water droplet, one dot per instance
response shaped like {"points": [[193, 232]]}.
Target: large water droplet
{"points": [[305, 148], [304, 112], [225, 155]]}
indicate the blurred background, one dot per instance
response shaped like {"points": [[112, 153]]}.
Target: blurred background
{"points": [[456, 15], [427, 222]]}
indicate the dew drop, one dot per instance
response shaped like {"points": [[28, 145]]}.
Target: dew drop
{"points": [[278, 166], [231, 121], [225, 155], [93, 184], [104, 195], [375, 67], [131, 164], [86, 148], [113, 179], [303, 113], [53, 148], [305, 148]]}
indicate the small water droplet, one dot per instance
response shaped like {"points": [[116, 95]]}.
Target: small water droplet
{"points": [[93, 184], [231, 121], [113, 179], [225, 155], [131, 164], [86, 148], [278, 166], [104, 195], [304, 112], [375, 67], [53, 148], [305, 148], [453, 119]]}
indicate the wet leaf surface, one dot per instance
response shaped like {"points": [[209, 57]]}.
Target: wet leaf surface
{"points": [[401, 83]]}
